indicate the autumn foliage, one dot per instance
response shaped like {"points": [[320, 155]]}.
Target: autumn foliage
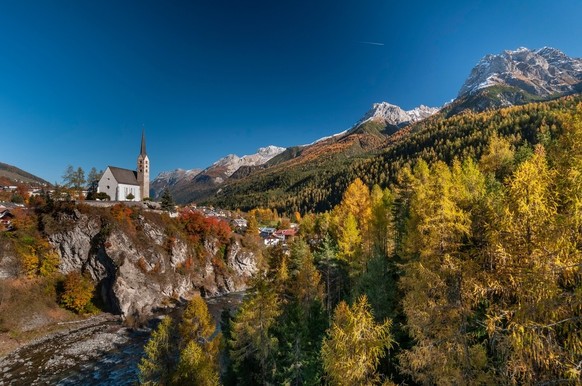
{"points": [[201, 228], [77, 292]]}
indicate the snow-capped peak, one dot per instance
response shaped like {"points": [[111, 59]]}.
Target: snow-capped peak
{"points": [[232, 162], [396, 116], [543, 72]]}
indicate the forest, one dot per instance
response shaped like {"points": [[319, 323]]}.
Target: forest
{"points": [[453, 258]]}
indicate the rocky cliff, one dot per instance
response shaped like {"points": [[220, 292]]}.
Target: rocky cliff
{"points": [[141, 267]]}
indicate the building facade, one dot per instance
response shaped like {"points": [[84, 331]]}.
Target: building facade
{"points": [[128, 185]]}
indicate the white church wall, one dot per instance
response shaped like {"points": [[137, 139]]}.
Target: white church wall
{"points": [[108, 184], [117, 192], [124, 190]]}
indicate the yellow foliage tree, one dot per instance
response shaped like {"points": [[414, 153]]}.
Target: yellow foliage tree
{"points": [[356, 201], [535, 318], [440, 278], [200, 343], [155, 367], [354, 345], [77, 292]]}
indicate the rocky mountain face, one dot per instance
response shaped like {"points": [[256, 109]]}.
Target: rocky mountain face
{"points": [[189, 185], [393, 115], [138, 272], [231, 163], [544, 72], [170, 179]]}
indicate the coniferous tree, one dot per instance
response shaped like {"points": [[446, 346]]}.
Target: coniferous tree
{"points": [[253, 345], [439, 279], [533, 318], [354, 345], [156, 367], [167, 202], [200, 344]]}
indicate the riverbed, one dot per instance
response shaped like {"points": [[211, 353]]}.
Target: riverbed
{"points": [[96, 351]]}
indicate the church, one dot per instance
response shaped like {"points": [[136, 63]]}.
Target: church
{"points": [[128, 185]]}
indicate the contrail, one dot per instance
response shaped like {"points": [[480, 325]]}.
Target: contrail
{"points": [[372, 43]]}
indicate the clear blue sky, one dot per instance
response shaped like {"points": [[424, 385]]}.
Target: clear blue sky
{"points": [[79, 79]]}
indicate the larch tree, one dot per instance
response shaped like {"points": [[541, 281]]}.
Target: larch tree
{"points": [[252, 344], [356, 201], [439, 281], [350, 244], [534, 319], [354, 345], [200, 345], [382, 224], [156, 366]]}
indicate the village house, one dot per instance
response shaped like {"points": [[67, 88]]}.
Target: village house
{"points": [[5, 219]]}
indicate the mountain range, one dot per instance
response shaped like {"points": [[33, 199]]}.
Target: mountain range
{"points": [[497, 80]]}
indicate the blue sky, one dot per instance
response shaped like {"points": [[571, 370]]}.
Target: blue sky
{"points": [[79, 79]]}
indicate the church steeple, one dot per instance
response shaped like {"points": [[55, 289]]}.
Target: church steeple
{"points": [[143, 169], [143, 143]]}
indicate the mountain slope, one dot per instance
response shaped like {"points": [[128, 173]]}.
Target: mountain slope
{"points": [[16, 175], [544, 72], [507, 79], [188, 185], [316, 185], [369, 134], [170, 179]]}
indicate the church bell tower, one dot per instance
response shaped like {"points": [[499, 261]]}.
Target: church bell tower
{"points": [[143, 169]]}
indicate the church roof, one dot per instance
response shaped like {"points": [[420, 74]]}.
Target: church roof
{"points": [[124, 176]]}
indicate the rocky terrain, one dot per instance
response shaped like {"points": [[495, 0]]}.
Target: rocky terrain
{"points": [[543, 72], [137, 272], [96, 351], [394, 115], [136, 263], [171, 178], [187, 185]]}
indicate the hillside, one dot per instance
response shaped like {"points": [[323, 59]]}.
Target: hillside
{"points": [[16, 175], [315, 180]]}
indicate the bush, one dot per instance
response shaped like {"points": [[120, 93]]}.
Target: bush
{"points": [[77, 293], [102, 196]]}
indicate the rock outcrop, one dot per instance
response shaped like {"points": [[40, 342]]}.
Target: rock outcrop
{"points": [[139, 271]]}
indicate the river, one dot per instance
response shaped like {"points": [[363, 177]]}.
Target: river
{"points": [[97, 351]]}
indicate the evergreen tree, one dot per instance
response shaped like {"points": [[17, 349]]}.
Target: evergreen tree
{"points": [[167, 202]]}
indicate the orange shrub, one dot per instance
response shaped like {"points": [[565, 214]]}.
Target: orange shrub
{"points": [[77, 292]]}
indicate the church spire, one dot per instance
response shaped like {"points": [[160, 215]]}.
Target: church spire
{"points": [[143, 143], [143, 169]]}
